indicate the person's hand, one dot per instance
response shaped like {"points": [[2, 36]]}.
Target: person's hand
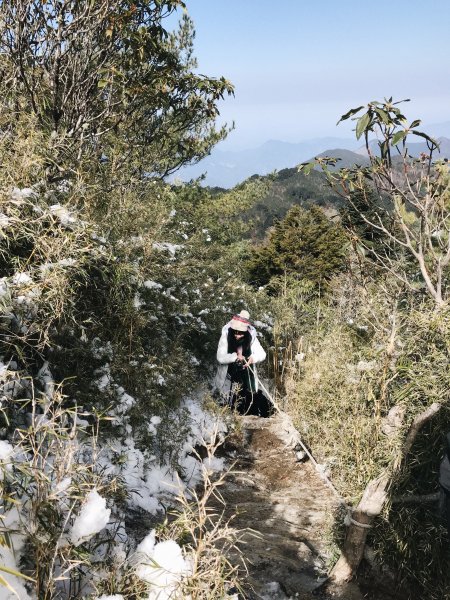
{"points": [[249, 362]]}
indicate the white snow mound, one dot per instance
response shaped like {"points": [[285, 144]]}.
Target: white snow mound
{"points": [[162, 565], [93, 517]]}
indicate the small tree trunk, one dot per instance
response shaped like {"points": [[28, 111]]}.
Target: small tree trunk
{"points": [[371, 505]]}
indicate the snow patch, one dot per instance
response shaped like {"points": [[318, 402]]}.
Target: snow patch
{"points": [[162, 565], [6, 450], [8, 561], [171, 248], [21, 279], [152, 285], [63, 214], [20, 194], [93, 517]]}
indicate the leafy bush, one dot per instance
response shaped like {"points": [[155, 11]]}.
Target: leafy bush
{"points": [[305, 244], [369, 389]]}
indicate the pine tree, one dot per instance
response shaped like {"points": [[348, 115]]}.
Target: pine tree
{"points": [[305, 244]]}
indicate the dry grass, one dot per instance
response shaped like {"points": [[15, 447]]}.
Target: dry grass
{"points": [[208, 539], [336, 407], [362, 352]]}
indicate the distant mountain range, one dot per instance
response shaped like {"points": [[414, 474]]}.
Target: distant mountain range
{"points": [[347, 158], [226, 168], [289, 186], [414, 149]]}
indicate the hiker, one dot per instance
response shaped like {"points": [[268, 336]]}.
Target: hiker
{"points": [[444, 481], [237, 354]]}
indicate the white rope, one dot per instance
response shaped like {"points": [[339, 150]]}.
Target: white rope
{"points": [[350, 521], [348, 518]]}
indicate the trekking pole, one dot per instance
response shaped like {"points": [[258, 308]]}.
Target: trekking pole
{"points": [[268, 394]]}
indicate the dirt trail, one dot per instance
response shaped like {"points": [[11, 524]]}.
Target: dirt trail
{"points": [[287, 505]]}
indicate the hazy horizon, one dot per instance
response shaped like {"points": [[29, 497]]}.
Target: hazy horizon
{"points": [[297, 66]]}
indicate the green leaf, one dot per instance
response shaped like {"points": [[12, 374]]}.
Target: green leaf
{"points": [[383, 115], [360, 249], [362, 125], [349, 114], [383, 148], [415, 123], [306, 168], [427, 137], [398, 137]]}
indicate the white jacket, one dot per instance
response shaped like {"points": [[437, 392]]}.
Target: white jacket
{"points": [[224, 359]]}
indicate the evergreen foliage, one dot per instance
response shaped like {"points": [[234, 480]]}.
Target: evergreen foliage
{"points": [[287, 188], [101, 74], [305, 244], [357, 214], [113, 284]]}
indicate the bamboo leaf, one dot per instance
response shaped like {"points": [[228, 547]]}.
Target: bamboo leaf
{"points": [[5, 584], [15, 573]]}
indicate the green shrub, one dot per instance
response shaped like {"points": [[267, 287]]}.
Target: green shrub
{"points": [[305, 244]]}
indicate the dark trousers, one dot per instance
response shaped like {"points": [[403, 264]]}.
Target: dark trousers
{"points": [[246, 402]]}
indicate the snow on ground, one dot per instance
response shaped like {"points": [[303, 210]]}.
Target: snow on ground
{"points": [[8, 561], [93, 517], [171, 248], [21, 279], [162, 565], [149, 484], [152, 285], [63, 214]]}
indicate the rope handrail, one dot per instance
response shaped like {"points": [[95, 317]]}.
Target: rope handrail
{"points": [[348, 518]]}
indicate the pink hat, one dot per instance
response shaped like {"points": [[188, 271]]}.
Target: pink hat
{"points": [[241, 321]]}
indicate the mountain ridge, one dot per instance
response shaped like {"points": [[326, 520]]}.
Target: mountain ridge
{"points": [[227, 168], [224, 168]]}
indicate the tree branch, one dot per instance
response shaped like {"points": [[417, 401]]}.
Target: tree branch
{"points": [[416, 499], [417, 424]]}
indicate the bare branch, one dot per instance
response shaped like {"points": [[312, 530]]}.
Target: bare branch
{"points": [[416, 499], [417, 424]]}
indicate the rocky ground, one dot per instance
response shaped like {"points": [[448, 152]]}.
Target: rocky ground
{"points": [[286, 509]]}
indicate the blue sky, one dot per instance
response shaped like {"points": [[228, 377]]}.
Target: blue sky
{"points": [[297, 65]]}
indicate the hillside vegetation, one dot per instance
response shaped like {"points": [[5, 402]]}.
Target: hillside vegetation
{"points": [[289, 188], [115, 284], [364, 363]]}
